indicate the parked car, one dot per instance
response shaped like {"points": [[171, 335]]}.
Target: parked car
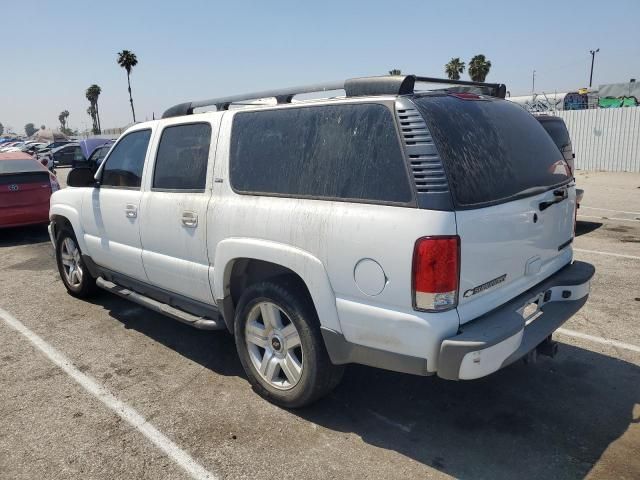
{"points": [[557, 130], [97, 156], [422, 232], [65, 155], [88, 146], [25, 189]]}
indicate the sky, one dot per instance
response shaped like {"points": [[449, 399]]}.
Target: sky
{"points": [[50, 52]]}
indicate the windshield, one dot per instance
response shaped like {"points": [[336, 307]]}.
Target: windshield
{"points": [[492, 150]]}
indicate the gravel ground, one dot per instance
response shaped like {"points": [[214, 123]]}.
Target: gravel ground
{"points": [[574, 416]]}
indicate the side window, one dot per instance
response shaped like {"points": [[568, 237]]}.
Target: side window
{"points": [[124, 165], [181, 162], [331, 151], [77, 154]]}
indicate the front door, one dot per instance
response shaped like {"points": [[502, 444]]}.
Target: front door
{"points": [[111, 213], [173, 229]]}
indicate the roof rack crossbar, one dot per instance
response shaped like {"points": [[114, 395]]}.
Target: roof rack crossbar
{"points": [[354, 87]]}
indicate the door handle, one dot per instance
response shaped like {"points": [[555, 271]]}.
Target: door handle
{"points": [[190, 219], [130, 210]]}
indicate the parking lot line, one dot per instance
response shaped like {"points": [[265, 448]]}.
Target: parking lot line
{"points": [[609, 210], [601, 340], [127, 413], [609, 218], [622, 255]]}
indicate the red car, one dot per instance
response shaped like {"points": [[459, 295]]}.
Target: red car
{"points": [[25, 188]]}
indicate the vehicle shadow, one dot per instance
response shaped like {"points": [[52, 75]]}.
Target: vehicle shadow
{"points": [[214, 350], [12, 237], [550, 420], [583, 227]]}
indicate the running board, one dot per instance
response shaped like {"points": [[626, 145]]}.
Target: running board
{"points": [[180, 315]]}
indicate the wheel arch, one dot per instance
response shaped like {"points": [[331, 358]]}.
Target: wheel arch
{"points": [[252, 260], [61, 215]]}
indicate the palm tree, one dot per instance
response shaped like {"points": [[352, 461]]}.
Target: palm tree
{"points": [[479, 68], [63, 120], [128, 60], [454, 68], [92, 94], [395, 71]]}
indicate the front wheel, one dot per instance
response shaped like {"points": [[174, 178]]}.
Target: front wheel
{"points": [[71, 266], [278, 339]]}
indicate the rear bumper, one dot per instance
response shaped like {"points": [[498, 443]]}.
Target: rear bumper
{"points": [[503, 336]]}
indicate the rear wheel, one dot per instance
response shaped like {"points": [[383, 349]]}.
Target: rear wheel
{"points": [[71, 266], [278, 339]]}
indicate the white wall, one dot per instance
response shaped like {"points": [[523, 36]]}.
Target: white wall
{"points": [[605, 138]]}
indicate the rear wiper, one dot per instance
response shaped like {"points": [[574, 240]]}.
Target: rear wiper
{"points": [[560, 194]]}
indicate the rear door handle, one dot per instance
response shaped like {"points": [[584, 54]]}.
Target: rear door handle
{"points": [[190, 219], [130, 210]]}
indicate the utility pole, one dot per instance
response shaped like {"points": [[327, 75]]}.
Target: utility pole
{"points": [[593, 57], [533, 83]]}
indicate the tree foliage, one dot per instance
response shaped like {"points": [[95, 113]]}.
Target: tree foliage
{"points": [[395, 71], [479, 68], [1, 129], [92, 94], [454, 68], [30, 129], [127, 60]]}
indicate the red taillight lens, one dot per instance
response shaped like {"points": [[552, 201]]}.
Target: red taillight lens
{"points": [[436, 272]]}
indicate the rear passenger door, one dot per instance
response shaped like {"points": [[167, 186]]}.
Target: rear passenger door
{"points": [[173, 229]]}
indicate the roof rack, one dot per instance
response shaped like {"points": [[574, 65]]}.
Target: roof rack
{"points": [[354, 87]]}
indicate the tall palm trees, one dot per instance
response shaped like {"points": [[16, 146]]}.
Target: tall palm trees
{"points": [[92, 94], [454, 68], [63, 120], [128, 60], [479, 68]]}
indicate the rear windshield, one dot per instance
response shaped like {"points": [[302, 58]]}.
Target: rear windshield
{"points": [[492, 150], [557, 130], [19, 166]]}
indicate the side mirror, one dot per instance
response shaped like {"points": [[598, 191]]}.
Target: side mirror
{"points": [[81, 177]]}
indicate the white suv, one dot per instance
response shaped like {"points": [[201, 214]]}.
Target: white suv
{"points": [[426, 232]]}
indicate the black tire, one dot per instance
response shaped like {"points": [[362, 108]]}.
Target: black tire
{"points": [[319, 376], [87, 286]]}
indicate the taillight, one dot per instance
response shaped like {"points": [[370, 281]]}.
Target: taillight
{"points": [[55, 186], [436, 273]]}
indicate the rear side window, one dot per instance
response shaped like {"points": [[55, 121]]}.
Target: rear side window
{"points": [[558, 132], [348, 152], [492, 150], [126, 161], [181, 162]]}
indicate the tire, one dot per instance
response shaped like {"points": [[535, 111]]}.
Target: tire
{"points": [[300, 371], [69, 259]]}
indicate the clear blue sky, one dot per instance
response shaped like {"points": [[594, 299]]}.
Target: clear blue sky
{"points": [[187, 50]]}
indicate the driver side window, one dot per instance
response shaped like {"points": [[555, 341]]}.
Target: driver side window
{"points": [[126, 161]]}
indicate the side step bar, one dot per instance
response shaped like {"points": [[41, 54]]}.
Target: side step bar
{"points": [[180, 315]]}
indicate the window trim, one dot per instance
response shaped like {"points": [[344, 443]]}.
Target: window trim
{"points": [[411, 203], [104, 161], [155, 160]]}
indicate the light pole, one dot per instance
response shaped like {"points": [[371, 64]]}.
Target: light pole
{"points": [[593, 57], [533, 83]]}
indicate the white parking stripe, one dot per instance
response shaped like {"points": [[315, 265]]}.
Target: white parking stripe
{"points": [[603, 341], [128, 414], [609, 210], [609, 218], [622, 255]]}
